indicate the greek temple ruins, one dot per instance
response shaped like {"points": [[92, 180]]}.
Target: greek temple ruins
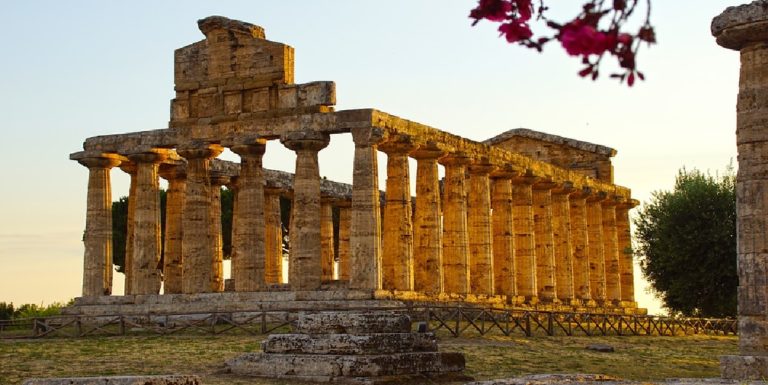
{"points": [[523, 219]]}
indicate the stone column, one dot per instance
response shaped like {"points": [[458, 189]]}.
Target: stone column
{"points": [[345, 220], [579, 249], [428, 240], [525, 257], [455, 237], [199, 240], [146, 222], [248, 227], [504, 281], [173, 263], [561, 233], [365, 233], [304, 269], [130, 169], [611, 253], [217, 262], [626, 267], [327, 255], [745, 28], [544, 241], [273, 237], [595, 247], [397, 245], [97, 258], [481, 271]]}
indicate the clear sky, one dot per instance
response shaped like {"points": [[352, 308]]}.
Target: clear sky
{"points": [[71, 70]]}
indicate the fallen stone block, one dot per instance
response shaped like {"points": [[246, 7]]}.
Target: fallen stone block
{"points": [[380, 343], [352, 323], [118, 380]]}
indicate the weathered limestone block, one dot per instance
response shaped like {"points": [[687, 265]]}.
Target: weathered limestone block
{"points": [[365, 233], [455, 234], [118, 380], [397, 244], [544, 241], [273, 238], [330, 368], [503, 236], [304, 270], [97, 259], [580, 250], [352, 323], [481, 271], [525, 257], [595, 247], [745, 28], [146, 222], [561, 233], [327, 255], [428, 240], [345, 221], [199, 240], [379, 343], [217, 262], [248, 230], [173, 263], [611, 253]]}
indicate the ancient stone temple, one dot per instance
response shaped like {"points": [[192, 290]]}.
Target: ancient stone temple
{"points": [[524, 219]]}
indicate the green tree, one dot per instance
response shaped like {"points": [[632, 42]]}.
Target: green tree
{"points": [[6, 311], [686, 240]]}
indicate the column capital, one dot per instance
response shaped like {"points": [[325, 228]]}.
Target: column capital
{"points": [[739, 27], [151, 155], [564, 188], [506, 171], [398, 145], [545, 184], [482, 167], [273, 190], [525, 179], [219, 179], [169, 171], [429, 150], [251, 147], [457, 158], [368, 136], [106, 161], [197, 150], [597, 196], [611, 200], [305, 140], [581, 193]]}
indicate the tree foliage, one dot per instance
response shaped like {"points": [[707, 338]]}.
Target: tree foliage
{"points": [[686, 240]]}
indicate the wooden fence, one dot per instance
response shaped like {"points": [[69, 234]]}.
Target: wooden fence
{"points": [[454, 320]]}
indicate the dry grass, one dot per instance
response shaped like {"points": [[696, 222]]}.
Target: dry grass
{"points": [[487, 357]]}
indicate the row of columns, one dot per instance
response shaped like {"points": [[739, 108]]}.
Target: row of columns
{"points": [[494, 231]]}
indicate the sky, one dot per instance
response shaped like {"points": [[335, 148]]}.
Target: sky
{"points": [[75, 69]]}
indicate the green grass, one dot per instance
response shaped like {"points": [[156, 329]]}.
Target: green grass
{"points": [[638, 358]]}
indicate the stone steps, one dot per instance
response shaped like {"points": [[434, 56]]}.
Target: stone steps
{"points": [[380, 343]]}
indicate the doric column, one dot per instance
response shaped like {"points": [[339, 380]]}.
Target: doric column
{"points": [[273, 237], [173, 263], [397, 245], [327, 255], [595, 247], [248, 227], [97, 258], [345, 221], [455, 237], [147, 244], [365, 233], [525, 257], [745, 28], [427, 246], [503, 235], [544, 241], [130, 169], [626, 267], [611, 253], [481, 272], [304, 270], [579, 246], [199, 239], [217, 262], [561, 233]]}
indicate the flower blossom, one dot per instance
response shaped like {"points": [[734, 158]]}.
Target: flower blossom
{"points": [[583, 39]]}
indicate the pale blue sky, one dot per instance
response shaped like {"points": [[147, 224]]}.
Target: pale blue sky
{"points": [[70, 70]]}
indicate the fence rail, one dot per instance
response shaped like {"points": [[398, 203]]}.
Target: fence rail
{"points": [[455, 320]]}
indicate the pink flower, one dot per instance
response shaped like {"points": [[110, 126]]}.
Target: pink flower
{"points": [[525, 9], [583, 39], [515, 30], [493, 10]]}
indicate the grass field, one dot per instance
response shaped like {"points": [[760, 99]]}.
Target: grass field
{"points": [[639, 358]]}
